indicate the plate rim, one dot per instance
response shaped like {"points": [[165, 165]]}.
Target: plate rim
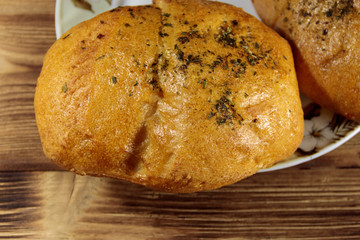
{"points": [[297, 161], [277, 166], [58, 26]]}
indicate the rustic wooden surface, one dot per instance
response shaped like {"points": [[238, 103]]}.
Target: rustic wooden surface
{"points": [[316, 200]]}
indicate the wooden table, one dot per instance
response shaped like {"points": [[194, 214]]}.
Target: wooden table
{"points": [[317, 200]]}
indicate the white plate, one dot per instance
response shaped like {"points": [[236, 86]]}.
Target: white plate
{"points": [[324, 130]]}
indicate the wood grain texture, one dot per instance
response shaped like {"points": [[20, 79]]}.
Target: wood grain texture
{"points": [[60, 205], [316, 200], [26, 32]]}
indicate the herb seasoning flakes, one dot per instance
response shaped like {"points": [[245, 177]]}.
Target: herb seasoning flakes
{"points": [[64, 88]]}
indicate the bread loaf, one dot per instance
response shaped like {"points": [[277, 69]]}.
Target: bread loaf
{"points": [[179, 96], [326, 41]]}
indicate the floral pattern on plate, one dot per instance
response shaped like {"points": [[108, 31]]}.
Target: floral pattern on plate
{"points": [[322, 128]]}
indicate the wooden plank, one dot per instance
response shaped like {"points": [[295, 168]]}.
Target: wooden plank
{"points": [[20, 146], [316, 200], [26, 32], [310, 204]]}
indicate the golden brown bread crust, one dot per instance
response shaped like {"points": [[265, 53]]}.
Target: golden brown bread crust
{"points": [[326, 40], [191, 97]]}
